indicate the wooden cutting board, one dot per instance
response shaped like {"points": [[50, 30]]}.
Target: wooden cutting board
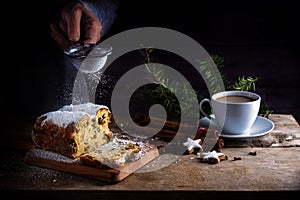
{"points": [[51, 160]]}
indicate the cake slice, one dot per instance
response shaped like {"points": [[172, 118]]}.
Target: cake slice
{"points": [[113, 154]]}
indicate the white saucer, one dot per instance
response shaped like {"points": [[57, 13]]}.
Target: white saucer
{"points": [[261, 126]]}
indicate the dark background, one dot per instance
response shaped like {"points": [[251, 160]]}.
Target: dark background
{"points": [[256, 38]]}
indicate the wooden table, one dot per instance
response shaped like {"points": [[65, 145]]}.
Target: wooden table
{"points": [[272, 170]]}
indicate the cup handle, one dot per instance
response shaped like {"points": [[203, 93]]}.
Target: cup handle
{"points": [[201, 107]]}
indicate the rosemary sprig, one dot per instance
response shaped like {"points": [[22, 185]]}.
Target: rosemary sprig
{"points": [[244, 84], [165, 92]]}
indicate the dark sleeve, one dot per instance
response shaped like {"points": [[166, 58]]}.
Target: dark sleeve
{"points": [[104, 10]]}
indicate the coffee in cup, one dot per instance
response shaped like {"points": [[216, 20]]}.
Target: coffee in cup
{"points": [[233, 111]]}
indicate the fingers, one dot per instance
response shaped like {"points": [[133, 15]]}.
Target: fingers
{"points": [[91, 27], [59, 37], [70, 22], [80, 22], [92, 32], [77, 24]]}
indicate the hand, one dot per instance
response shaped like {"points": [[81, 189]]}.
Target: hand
{"points": [[77, 24]]}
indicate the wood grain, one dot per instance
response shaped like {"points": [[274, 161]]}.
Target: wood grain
{"points": [[74, 166]]}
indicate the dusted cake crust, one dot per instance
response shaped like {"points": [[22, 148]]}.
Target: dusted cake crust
{"points": [[73, 129]]}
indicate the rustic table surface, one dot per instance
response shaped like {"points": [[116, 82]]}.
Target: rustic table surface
{"points": [[275, 167]]}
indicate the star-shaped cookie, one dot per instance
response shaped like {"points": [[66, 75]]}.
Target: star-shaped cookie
{"points": [[212, 157], [191, 144]]}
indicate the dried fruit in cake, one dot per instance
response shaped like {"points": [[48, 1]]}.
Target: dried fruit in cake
{"points": [[113, 154], [73, 130]]}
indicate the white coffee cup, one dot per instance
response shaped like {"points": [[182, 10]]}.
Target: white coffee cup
{"points": [[233, 111]]}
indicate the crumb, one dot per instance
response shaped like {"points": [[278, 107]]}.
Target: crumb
{"points": [[289, 138], [237, 158]]}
